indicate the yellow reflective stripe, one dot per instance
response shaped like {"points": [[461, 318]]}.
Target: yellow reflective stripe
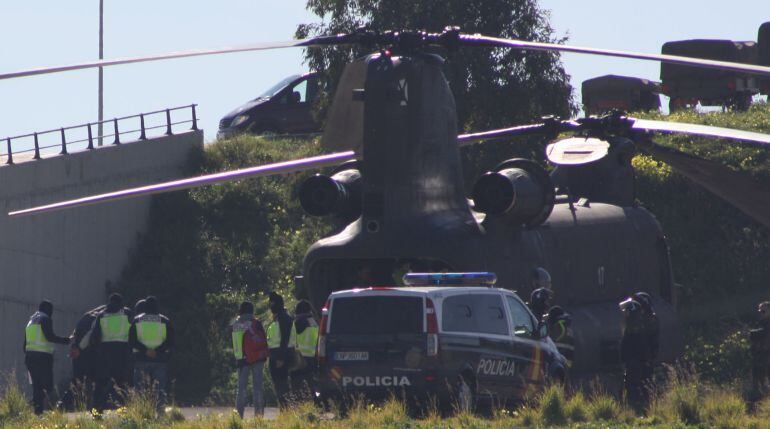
{"points": [[114, 327], [239, 331], [36, 340], [151, 333], [273, 335], [306, 341]]}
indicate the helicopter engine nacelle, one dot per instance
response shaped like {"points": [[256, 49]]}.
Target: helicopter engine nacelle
{"points": [[338, 195], [519, 190]]}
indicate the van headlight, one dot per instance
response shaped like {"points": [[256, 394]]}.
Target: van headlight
{"points": [[239, 120]]}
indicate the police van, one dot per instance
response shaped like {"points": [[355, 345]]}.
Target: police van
{"points": [[442, 336]]}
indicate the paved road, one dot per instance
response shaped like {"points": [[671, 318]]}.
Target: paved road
{"points": [[192, 413]]}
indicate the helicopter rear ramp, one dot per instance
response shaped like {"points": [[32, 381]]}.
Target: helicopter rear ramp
{"points": [[71, 257]]}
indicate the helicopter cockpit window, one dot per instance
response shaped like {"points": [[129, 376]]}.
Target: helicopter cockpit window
{"points": [[523, 325]]}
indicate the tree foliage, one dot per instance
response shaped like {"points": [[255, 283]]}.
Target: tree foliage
{"points": [[208, 249], [492, 87]]}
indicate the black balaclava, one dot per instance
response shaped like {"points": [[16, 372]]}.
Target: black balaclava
{"points": [[46, 307], [140, 307], [246, 308], [151, 305], [276, 302]]}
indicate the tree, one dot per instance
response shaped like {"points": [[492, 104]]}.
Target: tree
{"points": [[530, 84]]}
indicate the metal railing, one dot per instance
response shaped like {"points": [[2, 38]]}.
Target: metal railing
{"points": [[90, 140]]}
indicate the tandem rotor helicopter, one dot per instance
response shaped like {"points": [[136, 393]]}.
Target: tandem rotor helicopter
{"points": [[397, 187]]}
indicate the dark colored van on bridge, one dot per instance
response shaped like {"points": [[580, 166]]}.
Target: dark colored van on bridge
{"points": [[286, 108], [456, 344]]}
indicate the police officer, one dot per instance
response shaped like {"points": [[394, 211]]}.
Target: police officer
{"points": [[560, 330], [760, 351], [635, 355], [151, 336], [39, 340], [250, 351], [539, 299], [651, 330], [280, 345], [305, 334], [110, 336]]}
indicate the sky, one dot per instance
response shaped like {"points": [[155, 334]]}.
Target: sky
{"points": [[39, 33]]}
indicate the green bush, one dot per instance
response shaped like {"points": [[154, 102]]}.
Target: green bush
{"points": [[553, 406], [13, 404]]}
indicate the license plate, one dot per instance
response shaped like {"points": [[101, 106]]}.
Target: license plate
{"points": [[351, 356]]}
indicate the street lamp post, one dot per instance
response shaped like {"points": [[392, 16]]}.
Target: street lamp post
{"points": [[101, 71]]}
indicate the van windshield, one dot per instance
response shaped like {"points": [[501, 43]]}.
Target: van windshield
{"points": [[377, 315], [278, 87]]}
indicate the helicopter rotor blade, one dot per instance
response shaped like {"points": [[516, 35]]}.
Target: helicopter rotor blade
{"points": [[699, 130], [314, 41], [480, 40], [279, 168], [733, 187]]}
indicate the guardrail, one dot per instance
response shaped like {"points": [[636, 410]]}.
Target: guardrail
{"points": [[84, 135]]}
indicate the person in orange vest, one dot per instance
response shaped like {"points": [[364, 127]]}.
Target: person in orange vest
{"points": [[110, 337], [39, 340], [151, 336], [250, 352]]}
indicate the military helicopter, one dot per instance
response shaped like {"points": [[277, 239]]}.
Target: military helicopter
{"points": [[397, 192]]}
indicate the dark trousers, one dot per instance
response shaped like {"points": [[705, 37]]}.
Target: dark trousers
{"points": [[112, 374], [151, 377], [83, 378], [759, 377], [40, 367], [303, 382], [637, 383], [280, 378]]}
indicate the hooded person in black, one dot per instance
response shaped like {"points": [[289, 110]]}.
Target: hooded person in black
{"points": [[280, 347], [39, 339], [83, 360], [759, 341], [110, 337], [636, 355]]}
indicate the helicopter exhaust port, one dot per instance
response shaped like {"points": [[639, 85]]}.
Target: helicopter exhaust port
{"points": [[518, 190], [338, 195]]}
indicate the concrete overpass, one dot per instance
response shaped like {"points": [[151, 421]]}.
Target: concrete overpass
{"points": [[69, 257]]}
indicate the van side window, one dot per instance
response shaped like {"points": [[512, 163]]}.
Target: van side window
{"points": [[482, 313], [523, 325]]}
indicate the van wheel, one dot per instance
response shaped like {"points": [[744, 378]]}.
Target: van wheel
{"points": [[465, 396]]}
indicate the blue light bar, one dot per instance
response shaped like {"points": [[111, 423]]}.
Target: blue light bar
{"points": [[450, 279]]}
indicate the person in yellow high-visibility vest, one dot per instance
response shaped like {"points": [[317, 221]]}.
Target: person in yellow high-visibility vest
{"points": [[39, 340], [280, 348], [110, 337], [151, 336], [305, 335]]}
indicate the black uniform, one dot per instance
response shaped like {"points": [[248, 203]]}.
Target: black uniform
{"points": [[635, 353], [760, 358], [112, 359], [83, 360], [40, 364], [284, 354]]}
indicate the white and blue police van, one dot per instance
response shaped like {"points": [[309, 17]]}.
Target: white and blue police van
{"points": [[451, 338]]}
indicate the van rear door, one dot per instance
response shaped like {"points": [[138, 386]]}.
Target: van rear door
{"points": [[376, 340]]}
